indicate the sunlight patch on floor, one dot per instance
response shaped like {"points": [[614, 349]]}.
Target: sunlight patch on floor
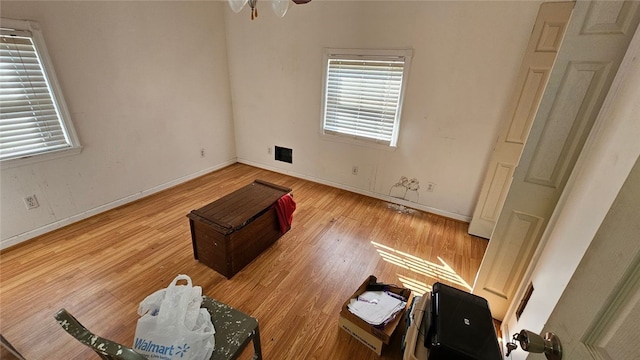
{"points": [[418, 287], [439, 272]]}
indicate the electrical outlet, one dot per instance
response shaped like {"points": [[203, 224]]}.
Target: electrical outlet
{"points": [[354, 170], [31, 202], [202, 152], [431, 187]]}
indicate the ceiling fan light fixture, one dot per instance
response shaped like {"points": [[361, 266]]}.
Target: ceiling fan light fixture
{"points": [[237, 5], [280, 7]]}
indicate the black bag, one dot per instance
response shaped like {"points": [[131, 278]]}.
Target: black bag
{"points": [[460, 327]]}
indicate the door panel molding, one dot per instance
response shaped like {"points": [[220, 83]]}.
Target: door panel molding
{"points": [[528, 102], [551, 37], [523, 229], [580, 89], [502, 173], [613, 18], [619, 323]]}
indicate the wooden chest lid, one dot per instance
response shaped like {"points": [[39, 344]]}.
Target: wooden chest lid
{"points": [[235, 210]]}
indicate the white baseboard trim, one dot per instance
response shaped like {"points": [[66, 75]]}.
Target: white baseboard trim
{"points": [[17, 239], [382, 197]]}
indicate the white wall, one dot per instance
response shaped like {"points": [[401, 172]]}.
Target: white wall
{"points": [[127, 66], [147, 87], [466, 57]]}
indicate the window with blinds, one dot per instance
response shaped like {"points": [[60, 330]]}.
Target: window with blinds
{"points": [[363, 94], [31, 120]]}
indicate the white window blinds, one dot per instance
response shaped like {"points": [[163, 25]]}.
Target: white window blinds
{"points": [[30, 121], [363, 97]]}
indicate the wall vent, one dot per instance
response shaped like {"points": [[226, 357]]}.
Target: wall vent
{"points": [[284, 154]]}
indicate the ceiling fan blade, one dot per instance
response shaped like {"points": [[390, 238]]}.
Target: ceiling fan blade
{"points": [[301, 1]]}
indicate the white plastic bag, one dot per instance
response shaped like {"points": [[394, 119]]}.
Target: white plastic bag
{"points": [[173, 326]]}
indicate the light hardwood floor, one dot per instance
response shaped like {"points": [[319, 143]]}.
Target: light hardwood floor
{"points": [[100, 268]]}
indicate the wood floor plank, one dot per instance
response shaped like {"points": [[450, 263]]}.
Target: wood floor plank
{"points": [[100, 268]]}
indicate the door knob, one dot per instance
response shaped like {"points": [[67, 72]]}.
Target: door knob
{"points": [[529, 341]]}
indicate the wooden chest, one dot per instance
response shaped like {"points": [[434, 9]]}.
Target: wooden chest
{"points": [[230, 232]]}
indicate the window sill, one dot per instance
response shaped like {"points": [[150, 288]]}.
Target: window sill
{"points": [[13, 163], [345, 139]]}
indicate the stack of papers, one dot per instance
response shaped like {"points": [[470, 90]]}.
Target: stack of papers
{"points": [[376, 307]]}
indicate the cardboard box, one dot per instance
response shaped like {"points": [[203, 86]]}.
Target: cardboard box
{"points": [[369, 340], [369, 335]]}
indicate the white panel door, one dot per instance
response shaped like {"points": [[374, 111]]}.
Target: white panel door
{"points": [[596, 39], [587, 278], [545, 40]]}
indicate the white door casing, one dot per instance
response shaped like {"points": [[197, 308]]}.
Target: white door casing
{"points": [[596, 39], [538, 60], [587, 277]]}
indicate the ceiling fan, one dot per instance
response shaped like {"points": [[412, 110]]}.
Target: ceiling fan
{"points": [[279, 7]]}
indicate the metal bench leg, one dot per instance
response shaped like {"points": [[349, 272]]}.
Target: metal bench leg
{"points": [[256, 344]]}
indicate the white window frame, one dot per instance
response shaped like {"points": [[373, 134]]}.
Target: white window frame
{"points": [[32, 29], [404, 55]]}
